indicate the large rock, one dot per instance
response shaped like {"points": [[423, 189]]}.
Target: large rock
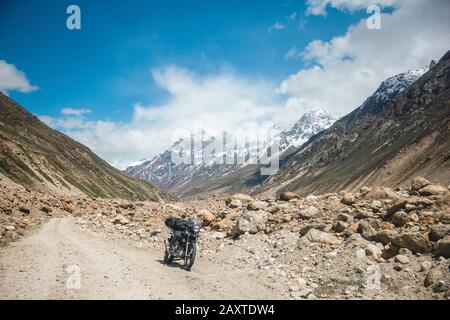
{"points": [[206, 216], [287, 195], [368, 228], [433, 278], [235, 203], [251, 222], [348, 199], [315, 235], [418, 183], [443, 247], [400, 218], [432, 189], [308, 213], [438, 231], [119, 219], [257, 205], [413, 241], [385, 236], [224, 224], [376, 193], [244, 198]]}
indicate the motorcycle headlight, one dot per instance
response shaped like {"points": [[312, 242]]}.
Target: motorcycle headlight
{"points": [[196, 228]]}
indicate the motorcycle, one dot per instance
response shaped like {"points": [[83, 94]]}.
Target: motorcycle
{"points": [[182, 243]]}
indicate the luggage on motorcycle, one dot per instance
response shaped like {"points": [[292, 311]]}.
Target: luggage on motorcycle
{"points": [[176, 224]]}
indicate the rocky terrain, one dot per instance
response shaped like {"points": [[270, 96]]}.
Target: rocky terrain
{"points": [[377, 243]]}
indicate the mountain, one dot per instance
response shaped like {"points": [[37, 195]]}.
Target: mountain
{"points": [[36, 156], [203, 176], [401, 131]]}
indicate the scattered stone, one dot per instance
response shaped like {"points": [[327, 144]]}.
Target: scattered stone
{"points": [[308, 213], [235, 203], [257, 205], [25, 210], [413, 241], [287, 196], [402, 259], [432, 189], [400, 218], [418, 183], [443, 247], [438, 231], [348, 199], [119, 219], [315, 235]]}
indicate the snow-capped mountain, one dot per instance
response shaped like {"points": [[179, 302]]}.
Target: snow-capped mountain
{"points": [[396, 84], [162, 171]]}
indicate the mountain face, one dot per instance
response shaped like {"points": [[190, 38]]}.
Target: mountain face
{"points": [[185, 178], [36, 156], [399, 132]]}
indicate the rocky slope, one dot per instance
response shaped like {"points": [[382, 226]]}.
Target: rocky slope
{"points": [[201, 177], [402, 130], [36, 156], [376, 243]]}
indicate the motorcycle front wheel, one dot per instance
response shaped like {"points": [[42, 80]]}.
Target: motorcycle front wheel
{"points": [[167, 257], [192, 252]]}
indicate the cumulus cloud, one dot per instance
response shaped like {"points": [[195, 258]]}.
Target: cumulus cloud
{"points": [[211, 102], [13, 79], [348, 68]]}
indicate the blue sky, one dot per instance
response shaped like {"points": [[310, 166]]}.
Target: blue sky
{"points": [[106, 65], [138, 70]]}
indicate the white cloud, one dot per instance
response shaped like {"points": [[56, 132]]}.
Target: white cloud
{"points": [[213, 102], [13, 79], [74, 111], [348, 68], [276, 26], [319, 7]]}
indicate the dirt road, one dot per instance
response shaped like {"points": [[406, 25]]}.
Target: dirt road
{"points": [[48, 263]]}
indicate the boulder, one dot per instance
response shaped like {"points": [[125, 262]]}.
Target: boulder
{"points": [[315, 235], [244, 198], [433, 278], [373, 250], [432, 189], [400, 218], [235, 203], [438, 231], [224, 224], [443, 247], [340, 226], [119, 219], [413, 241], [385, 236], [206, 216], [288, 195], [389, 251], [308, 213], [401, 259], [348, 199], [418, 183], [251, 222], [257, 205], [376, 193], [367, 229], [68, 206]]}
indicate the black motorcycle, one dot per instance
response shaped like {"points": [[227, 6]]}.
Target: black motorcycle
{"points": [[182, 244]]}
